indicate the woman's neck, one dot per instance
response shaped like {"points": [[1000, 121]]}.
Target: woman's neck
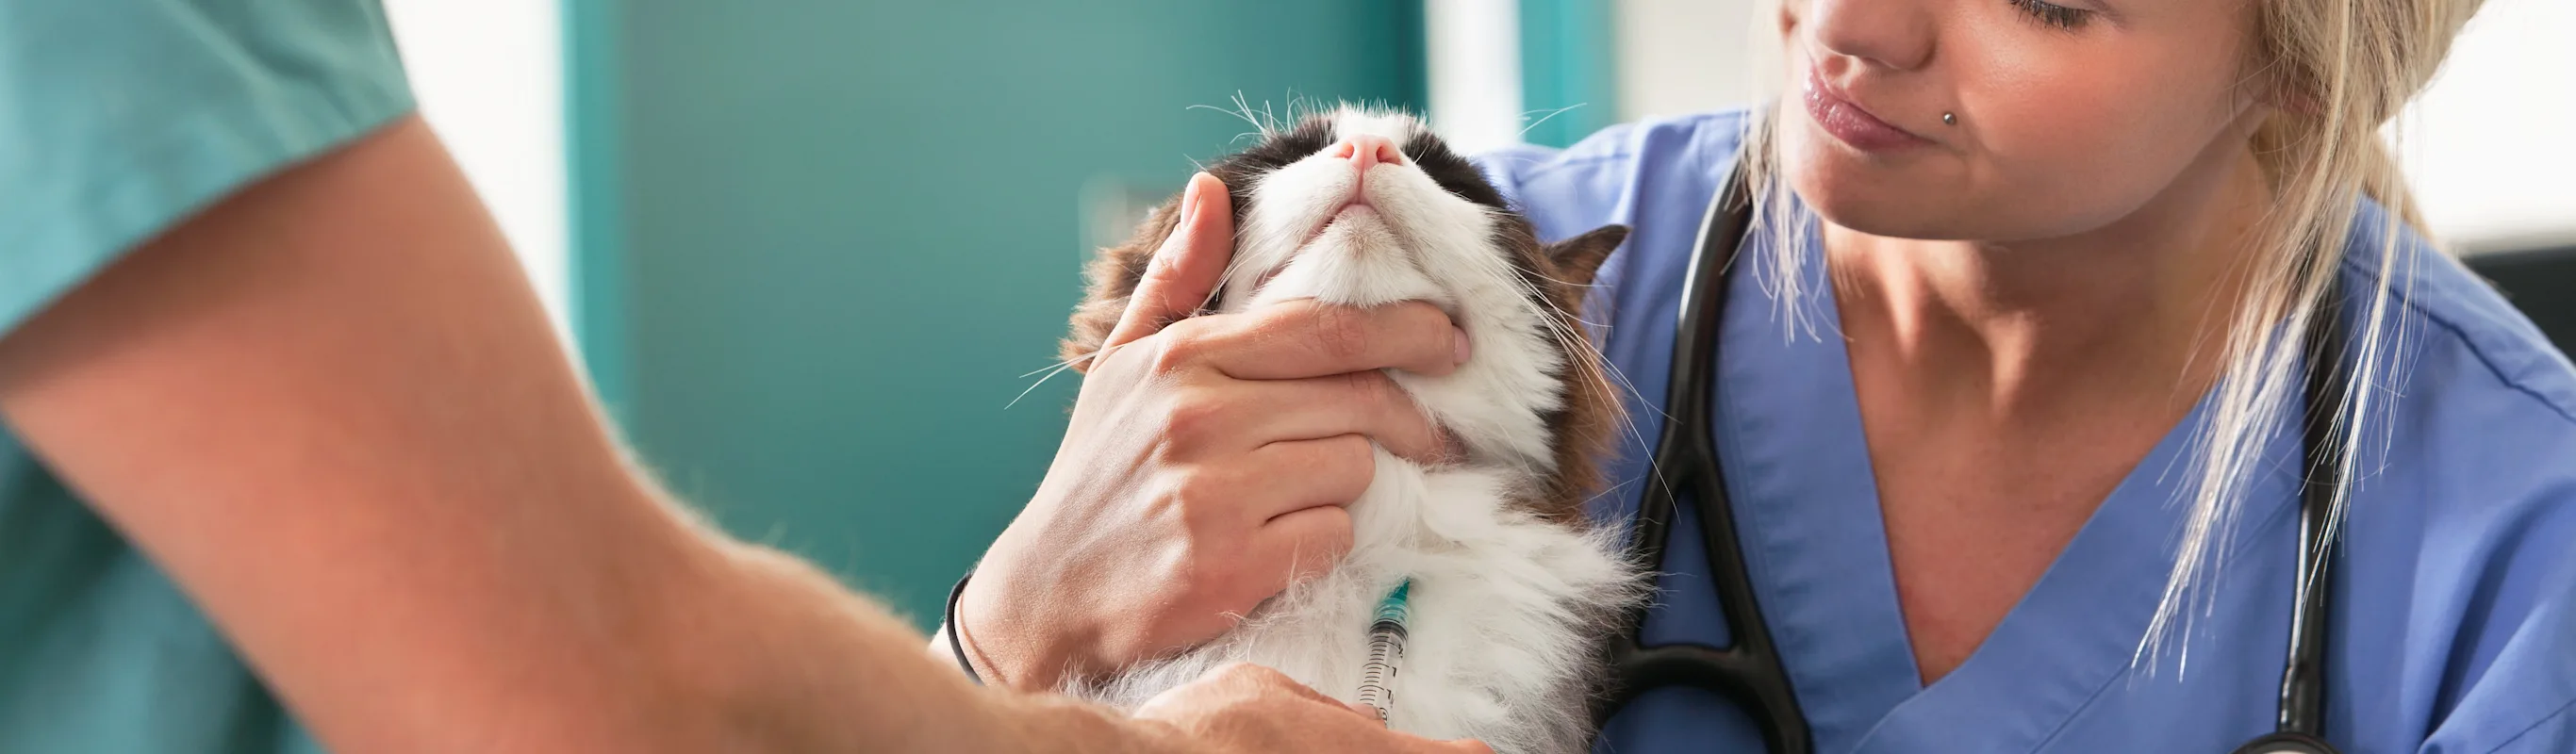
{"points": [[2007, 389], [2007, 333]]}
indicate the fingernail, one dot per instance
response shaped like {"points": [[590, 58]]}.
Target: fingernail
{"points": [[1190, 200], [1163, 256], [1459, 337]]}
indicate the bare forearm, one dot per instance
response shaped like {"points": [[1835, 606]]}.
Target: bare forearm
{"points": [[917, 702], [331, 407], [792, 640], [996, 671]]}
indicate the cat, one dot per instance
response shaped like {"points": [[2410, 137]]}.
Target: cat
{"points": [[1513, 590]]}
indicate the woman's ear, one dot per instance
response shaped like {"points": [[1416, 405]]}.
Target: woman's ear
{"points": [[2297, 103], [1579, 257], [2280, 90]]}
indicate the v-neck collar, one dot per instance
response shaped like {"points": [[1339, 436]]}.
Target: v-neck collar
{"points": [[1806, 503], [1806, 497]]}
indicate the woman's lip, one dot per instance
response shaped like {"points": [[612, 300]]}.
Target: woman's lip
{"points": [[1850, 123]]}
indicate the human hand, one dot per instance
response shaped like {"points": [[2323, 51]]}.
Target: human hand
{"points": [[1249, 708], [1205, 467]]}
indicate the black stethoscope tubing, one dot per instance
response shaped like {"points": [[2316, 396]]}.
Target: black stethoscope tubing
{"points": [[1750, 673]]}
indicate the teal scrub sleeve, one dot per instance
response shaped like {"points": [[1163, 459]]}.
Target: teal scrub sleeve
{"points": [[120, 117]]}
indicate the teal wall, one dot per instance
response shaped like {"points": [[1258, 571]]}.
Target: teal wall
{"points": [[820, 241], [1569, 70]]}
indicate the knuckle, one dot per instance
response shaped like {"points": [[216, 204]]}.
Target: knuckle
{"points": [[1193, 599], [1237, 676], [1424, 317], [1363, 384], [1383, 393], [1195, 596], [1192, 419], [1252, 675], [1329, 543], [1357, 467], [1204, 526], [1341, 453], [1352, 454], [1221, 567], [1199, 503], [1182, 345], [1212, 520], [1213, 576], [1340, 333], [1250, 712], [1160, 268]]}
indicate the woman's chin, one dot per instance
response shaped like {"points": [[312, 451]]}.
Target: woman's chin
{"points": [[1875, 208], [1869, 195]]}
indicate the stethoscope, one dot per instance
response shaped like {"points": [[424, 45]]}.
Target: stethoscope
{"points": [[1750, 673]]}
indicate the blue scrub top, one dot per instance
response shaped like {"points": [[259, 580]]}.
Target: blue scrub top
{"points": [[119, 118], [2454, 620]]}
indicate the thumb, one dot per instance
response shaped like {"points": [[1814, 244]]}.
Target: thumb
{"points": [[1188, 266]]}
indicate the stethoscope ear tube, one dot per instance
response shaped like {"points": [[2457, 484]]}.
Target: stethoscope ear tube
{"points": [[2286, 743], [1750, 673], [2303, 686]]}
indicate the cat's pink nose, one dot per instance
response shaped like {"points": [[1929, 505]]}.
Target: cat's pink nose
{"points": [[1365, 152]]}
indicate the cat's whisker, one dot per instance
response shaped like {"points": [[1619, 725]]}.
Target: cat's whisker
{"points": [[1240, 111], [1581, 350], [1268, 124], [1558, 281], [1050, 374], [1543, 119], [1606, 491], [1056, 365]]}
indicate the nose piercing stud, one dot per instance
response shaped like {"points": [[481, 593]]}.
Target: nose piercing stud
{"points": [[1948, 119]]}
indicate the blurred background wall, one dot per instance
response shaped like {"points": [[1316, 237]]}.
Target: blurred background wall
{"points": [[850, 228], [808, 248]]}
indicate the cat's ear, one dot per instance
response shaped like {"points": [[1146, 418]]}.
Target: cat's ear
{"points": [[1113, 276], [1579, 257]]}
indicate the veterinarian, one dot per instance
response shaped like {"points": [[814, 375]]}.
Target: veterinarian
{"points": [[2014, 409], [292, 458]]}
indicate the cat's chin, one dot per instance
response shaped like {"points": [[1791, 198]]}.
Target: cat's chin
{"points": [[1356, 261]]}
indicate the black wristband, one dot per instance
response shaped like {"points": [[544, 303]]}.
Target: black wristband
{"points": [[955, 645]]}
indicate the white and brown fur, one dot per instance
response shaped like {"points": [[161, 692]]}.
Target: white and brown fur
{"points": [[1514, 589]]}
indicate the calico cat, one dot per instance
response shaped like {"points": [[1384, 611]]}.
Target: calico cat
{"points": [[1512, 589]]}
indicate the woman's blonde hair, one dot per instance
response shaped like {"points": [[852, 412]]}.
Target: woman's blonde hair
{"points": [[2341, 69]]}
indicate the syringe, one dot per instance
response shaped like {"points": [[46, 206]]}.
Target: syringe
{"points": [[1386, 646]]}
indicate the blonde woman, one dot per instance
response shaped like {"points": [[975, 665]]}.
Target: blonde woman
{"points": [[2010, 408]]}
